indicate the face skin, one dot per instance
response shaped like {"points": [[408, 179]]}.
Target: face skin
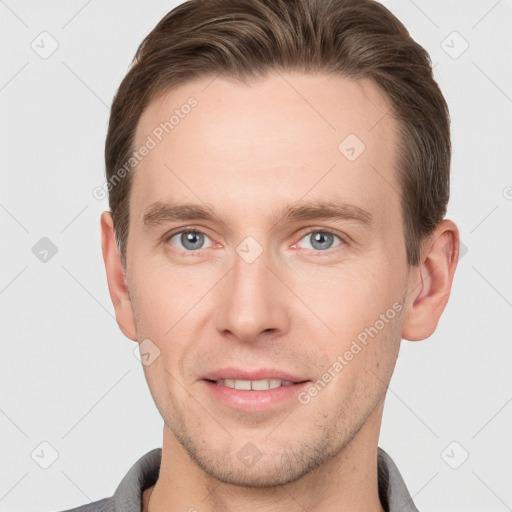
{"points": [[247, 153]]}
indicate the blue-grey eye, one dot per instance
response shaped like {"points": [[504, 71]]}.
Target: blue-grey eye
{"points": [[320, 240], [189, 240]]}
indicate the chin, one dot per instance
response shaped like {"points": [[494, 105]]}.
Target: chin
{"points": [[248, 467]]}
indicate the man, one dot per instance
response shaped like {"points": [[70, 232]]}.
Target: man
{"points": [[278, 175]]}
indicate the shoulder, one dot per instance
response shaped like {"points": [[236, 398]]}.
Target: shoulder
{"points": [[128, 495], [393, 492]]}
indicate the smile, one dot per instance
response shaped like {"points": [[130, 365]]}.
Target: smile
{"points": [[256, 385]]}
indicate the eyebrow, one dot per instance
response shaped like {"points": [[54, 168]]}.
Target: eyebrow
{"points": [[159, 213]]}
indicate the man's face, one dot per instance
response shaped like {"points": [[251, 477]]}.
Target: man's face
{"points": [[252, 288]]}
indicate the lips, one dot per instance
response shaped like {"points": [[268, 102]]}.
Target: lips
{"points": [[253, 391], [230, 376]]}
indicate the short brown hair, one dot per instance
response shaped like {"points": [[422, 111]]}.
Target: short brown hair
{"points": [[245, 39]]}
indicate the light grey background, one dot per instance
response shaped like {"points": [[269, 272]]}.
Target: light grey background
{"points": [[69, 378]]}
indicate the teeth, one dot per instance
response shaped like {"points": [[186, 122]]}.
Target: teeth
{"points": [[258, 385]]}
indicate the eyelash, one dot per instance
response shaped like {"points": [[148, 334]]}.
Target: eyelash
{"points": [[317, 252]]}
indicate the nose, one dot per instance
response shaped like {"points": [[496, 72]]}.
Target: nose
{"points": [[253, 301]]}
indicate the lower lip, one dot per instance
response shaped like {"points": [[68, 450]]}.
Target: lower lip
{"points": [[253, 400]]}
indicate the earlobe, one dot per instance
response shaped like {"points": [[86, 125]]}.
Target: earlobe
{"points": [[116, 278], [430, 283]]}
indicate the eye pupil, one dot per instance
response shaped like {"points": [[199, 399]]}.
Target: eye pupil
{"points": [[321, 240], [192, 240]]}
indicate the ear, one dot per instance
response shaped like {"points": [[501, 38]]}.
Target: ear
{"points": [[431, 281], [116, 278]]}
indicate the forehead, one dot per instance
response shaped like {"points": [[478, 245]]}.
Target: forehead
{"points": [[276, 139]]}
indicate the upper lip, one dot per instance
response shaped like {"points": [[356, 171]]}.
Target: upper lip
{"points": [[259, 374]]}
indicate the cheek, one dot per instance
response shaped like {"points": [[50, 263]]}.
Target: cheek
{"points": [[170, 305], [343, 301], [165, 294]]}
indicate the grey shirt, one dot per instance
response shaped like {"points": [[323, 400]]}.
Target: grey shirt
{"points": [[393, 493]]}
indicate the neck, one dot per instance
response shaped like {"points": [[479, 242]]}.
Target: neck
{"points": [[345, 482]]}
